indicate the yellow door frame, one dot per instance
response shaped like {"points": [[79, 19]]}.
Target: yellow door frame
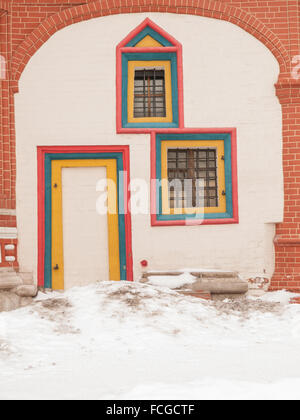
{"points": [[57, 216]]}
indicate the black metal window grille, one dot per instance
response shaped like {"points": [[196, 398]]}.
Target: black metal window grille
{"points": [[192, 176], [149, 93]]}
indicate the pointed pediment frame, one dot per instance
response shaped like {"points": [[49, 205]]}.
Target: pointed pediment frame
{"points": [[148, 27], [169, 47]]}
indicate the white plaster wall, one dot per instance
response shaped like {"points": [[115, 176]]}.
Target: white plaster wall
{"points": [[67, 97]]}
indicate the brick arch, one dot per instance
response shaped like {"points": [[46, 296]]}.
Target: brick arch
{"points": [[206, 8]]}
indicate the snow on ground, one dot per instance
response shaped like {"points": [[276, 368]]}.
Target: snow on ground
{"points": [[172, 282], [137, 341]]}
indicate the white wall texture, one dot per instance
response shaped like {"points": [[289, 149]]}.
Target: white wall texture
{"points": [[67, 97]]}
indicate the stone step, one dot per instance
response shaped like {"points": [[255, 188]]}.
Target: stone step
{"points": [[26, 290], [221, 285], [9, 282], [10, 301], [27, 278], [214, 282], [215, 274], [194, 273], [198, 274], [161, 273], [10, 279], [7, 270], [8, 274]]}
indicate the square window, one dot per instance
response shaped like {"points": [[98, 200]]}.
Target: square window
{"points": [[193, 190], [195, 178]]}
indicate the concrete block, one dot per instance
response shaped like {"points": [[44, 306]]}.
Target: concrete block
{"points": [[161, 273], [27, 278], [225, 283], [221, 285], [10, 301], [215, 274], [26, 290], [9, 281]]}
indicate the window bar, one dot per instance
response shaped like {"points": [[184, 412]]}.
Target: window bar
{"points": [[144, 92], [207, 179], [188, 164], [198, 198], [148, 96], [194, 191], [154, 97], [177, 171], [177, 177], [164, 95]]}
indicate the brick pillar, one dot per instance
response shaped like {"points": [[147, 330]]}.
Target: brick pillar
{"points": [[287, 240], [7, 133]]}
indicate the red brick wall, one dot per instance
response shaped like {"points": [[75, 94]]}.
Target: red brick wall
{"points": [[26, 24]]}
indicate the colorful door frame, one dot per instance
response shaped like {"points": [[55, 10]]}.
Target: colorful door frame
{"points": [[115, 225], [48, 154]]}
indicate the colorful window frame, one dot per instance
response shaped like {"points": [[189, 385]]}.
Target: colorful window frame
{"points": [[218, 145], [149, 46], [82, 156], [224, 140], [166, 66], [150, 30], [169, 62]]}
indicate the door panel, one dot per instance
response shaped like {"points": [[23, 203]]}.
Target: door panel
{"points": [[85, 233]]}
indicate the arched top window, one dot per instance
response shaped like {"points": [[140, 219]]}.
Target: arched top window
{"points": [[149, 80]]}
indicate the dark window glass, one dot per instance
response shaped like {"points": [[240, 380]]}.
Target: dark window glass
{"points": [[149, 93], [192, 175]]}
